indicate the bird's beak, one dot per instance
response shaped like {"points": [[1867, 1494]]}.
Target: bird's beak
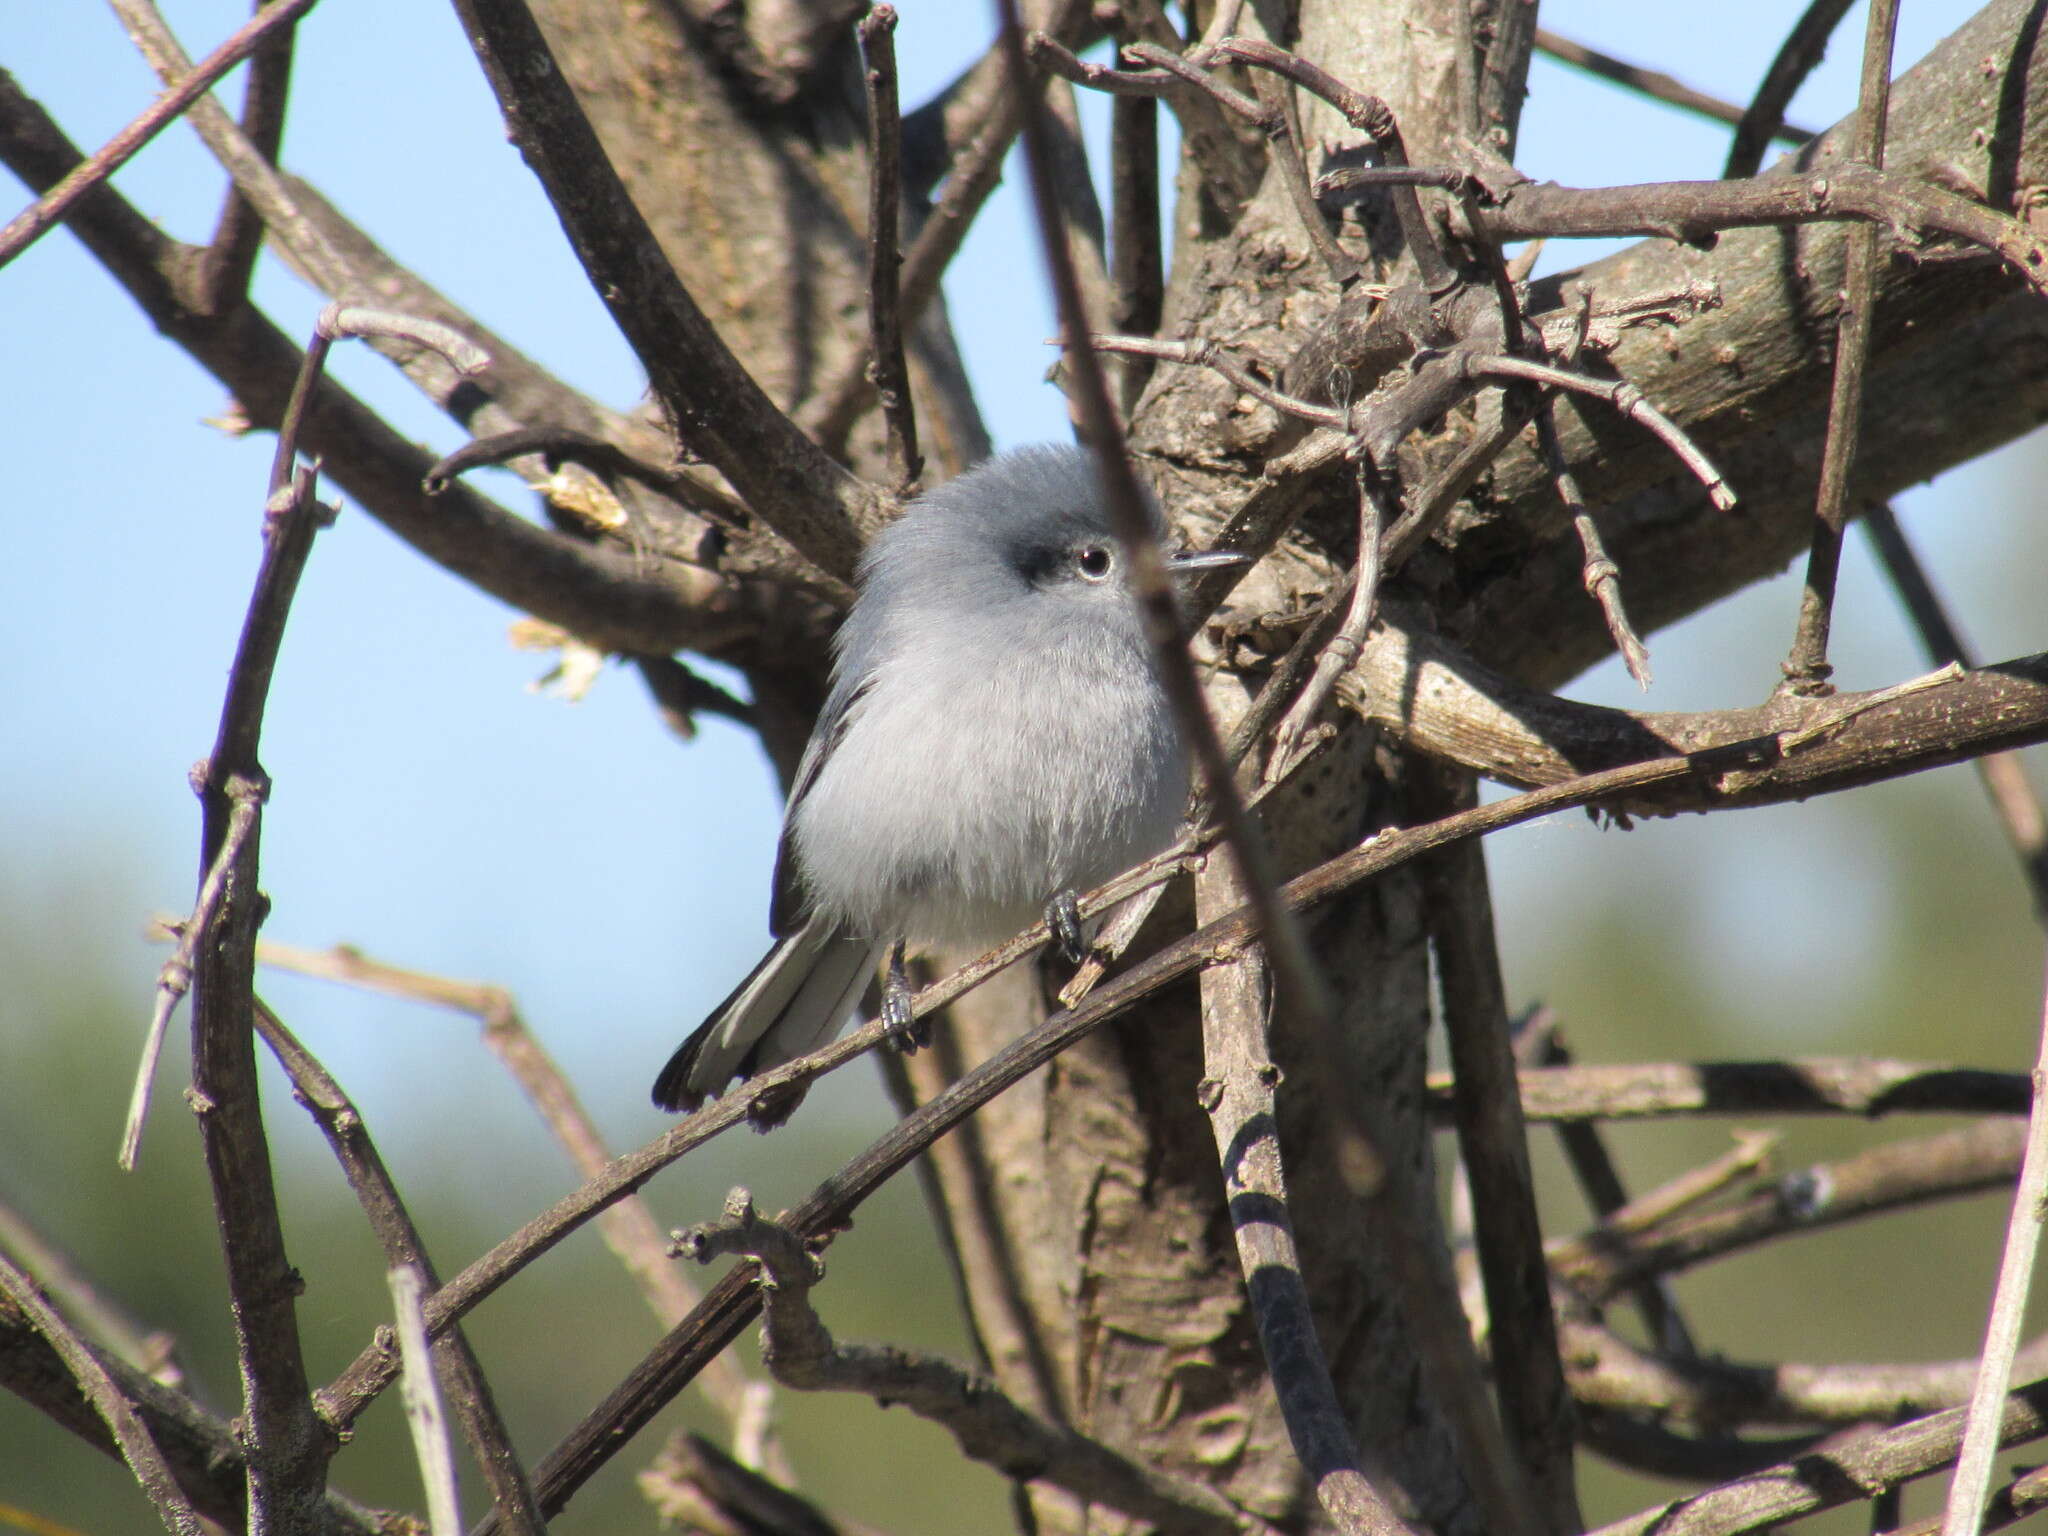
{"points": [[1205, 560]]}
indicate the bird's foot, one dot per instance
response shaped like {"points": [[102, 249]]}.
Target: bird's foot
{"points": [[908, 1031], [1063, 917]]}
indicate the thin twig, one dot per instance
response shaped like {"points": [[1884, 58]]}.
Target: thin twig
{"points": [[1290, 159], [192, 83], [628, 1228], [2005, 777], [1891, 1177], [990, 1427], [101, 1317], [1136, 252], [1806, 667], [1972, 1481], [1654, 84], [1847, 1473], [2025, 1495], [969, 179], [1693, 212], [230, 258], [1625, 398], [885, 198], [1864, 1086], [1370, 116], [557, 442], [1797, 57], [1201, 352], [1609, 1374], [785, 478], [174, 979], [1342, 648], [255, 177], [203, 1451], [1540, 1043], [131, 1434], [1493, 1146], [1602, 577], [1740, 1164], [405, 1253], [289, 1445], [422, 1396], [1237, 1090]]}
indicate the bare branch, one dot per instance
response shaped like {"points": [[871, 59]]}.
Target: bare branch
{"points": [[1868, 1087], [1967, 1490], [1978, 1157], [1655, 84], [1610, 1374], [202, 1451], [405, 1253], [174, 979], [718, 409], [1603, 577], [130, 1431], [693, 1485], [628, 1228], [885, 198], [1626, 399], [289, 1446], [1843, 1474], [1452, 707], [969, 179], [988, 1426], [557, 442], [2005, 777], [1806, 668], [1370, 116], [1861, 751], [1493, 1145], [1796, 58], [423, 1409], [1539, 1042], [193, 82], [1137, 273], [600, 593], [255, 178], [1692, 212], [238, 232], [1342, 648], [1237, 1090]]}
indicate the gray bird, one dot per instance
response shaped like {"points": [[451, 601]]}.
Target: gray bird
{"points": [[996, 739]]}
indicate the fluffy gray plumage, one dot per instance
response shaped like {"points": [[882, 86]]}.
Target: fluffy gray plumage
{"points": [[995, 734]]}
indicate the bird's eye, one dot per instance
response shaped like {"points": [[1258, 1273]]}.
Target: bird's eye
{"points": [[1095, 562]]}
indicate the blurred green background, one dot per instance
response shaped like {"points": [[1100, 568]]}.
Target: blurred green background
{"points": [[429, 810]]}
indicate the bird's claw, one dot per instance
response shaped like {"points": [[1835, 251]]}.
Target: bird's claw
{"points": [[905, 1028], [1063, 917]]}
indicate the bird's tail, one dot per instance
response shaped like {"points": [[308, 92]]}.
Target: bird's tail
{"points": [[793, 1002]]}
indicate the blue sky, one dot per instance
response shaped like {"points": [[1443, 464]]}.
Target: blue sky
{"points": [[429, 807]]}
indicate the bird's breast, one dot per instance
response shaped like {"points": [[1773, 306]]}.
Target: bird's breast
{"points": [[960, 797]]}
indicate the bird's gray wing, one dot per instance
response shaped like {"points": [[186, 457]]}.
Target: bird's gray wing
{"points": [[786, 901]]}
